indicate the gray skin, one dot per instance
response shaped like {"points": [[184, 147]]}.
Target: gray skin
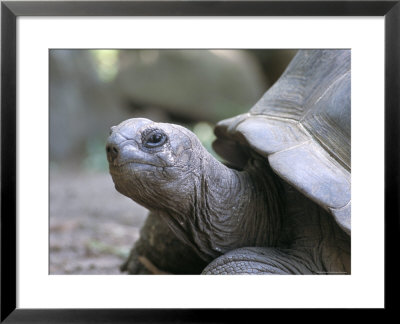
{"points": [[246, 221]]}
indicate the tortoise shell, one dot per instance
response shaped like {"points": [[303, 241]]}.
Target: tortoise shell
{"points": [[302, 125]]}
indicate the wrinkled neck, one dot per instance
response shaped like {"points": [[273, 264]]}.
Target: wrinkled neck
{"points": [[229, 209]]}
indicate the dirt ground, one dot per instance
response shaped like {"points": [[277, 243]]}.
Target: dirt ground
{"points": [[92, 226]]}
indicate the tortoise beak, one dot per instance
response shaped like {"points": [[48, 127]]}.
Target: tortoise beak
{"points": [[119, 154]]}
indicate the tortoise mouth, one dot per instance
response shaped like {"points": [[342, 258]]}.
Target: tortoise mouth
{"points": [[130, 165]]}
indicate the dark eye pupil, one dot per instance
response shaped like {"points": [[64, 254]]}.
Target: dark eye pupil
{"points": [[155, 138]]}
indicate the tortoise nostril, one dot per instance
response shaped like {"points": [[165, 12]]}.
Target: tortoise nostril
{"points": [[112, 152]]}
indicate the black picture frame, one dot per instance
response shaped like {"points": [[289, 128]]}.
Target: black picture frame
{"points": [[10, 10]]}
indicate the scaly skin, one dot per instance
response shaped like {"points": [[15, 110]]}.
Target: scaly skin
{"points": [[215, 209]]}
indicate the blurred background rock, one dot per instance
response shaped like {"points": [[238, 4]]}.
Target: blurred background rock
{"points": [[92, 227]]}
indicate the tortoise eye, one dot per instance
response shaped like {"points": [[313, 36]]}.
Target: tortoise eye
{"points": [[154, 138]]}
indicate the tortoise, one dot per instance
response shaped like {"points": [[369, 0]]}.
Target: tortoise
{"points": [[281, 204]]}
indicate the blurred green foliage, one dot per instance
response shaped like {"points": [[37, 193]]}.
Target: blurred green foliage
{"points": [[106, 62], [95, 157], [205, 133]]}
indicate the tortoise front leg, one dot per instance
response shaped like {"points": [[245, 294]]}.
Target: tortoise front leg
{"points": [[158, 251]]}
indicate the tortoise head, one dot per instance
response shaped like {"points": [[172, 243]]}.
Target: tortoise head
{"points": [[152, 162]]}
